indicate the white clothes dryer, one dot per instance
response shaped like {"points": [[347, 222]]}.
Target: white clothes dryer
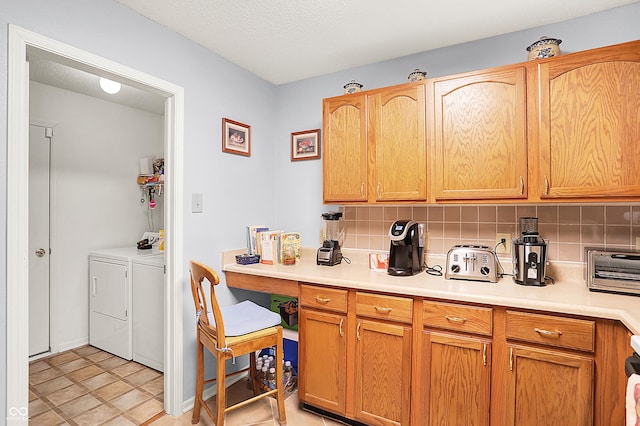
{"points": [[110, 299]]}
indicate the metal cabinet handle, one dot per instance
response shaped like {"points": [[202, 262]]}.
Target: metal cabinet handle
{"points": [[547, 332], [510, 359], [484, 354], [382, 310], [455, 319], [341, 331], [378, 189], [323, 300], [40, 252], [362, 190], [358, 331], [546, 186], [521, 186]]}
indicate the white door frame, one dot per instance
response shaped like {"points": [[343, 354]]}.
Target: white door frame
{"points": [[17, 385]]}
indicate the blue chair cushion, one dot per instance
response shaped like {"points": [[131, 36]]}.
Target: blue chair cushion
{"points": [[246, 317]]}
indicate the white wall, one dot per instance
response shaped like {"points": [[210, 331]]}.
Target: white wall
{"points": [[95, 201]]}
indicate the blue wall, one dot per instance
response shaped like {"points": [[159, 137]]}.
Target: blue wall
{"points": [[267, 187]]}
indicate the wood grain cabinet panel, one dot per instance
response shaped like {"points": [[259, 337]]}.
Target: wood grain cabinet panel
{"points": [[480, 135], [457, 317], [344, 157], [589, 127], [323, 360], [458, 373], [375, 146], [397, 136], [380, 306], [546, 387], [383, 373], [551, 330], [325, 298]]}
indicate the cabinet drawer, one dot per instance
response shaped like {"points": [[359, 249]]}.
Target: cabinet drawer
{"points": [[384, 307], [452, 316], [330, 299], [551, 330]]}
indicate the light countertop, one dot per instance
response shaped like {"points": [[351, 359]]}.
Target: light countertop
{"points": [[568, 295]]}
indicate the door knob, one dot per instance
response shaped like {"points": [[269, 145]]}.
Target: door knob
{"points": [[40, 252]]}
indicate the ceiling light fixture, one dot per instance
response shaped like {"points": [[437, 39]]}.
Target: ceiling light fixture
{"points": [[109, 86]]}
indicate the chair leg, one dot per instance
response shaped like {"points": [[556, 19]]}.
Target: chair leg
{"points": [[254, 373], [195, 418], [221, 395], [279, 382]]}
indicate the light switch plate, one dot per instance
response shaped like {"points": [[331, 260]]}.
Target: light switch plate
{"points": [[196, 203]]}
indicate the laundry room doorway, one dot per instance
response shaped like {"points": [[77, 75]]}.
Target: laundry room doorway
{"points": [[21, 42]]}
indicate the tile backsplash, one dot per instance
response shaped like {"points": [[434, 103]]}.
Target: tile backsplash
{"points": [[568, 228]]}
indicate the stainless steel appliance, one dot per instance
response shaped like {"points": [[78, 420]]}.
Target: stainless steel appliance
{"points": [[471, 262], [330, 253], [529, 254], [405, 252], [613, 271]]}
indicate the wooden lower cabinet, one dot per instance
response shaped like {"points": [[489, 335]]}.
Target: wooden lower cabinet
{"points": [[323, 360], [391, 360], [383, 373], [456, 379], [548, 387]]}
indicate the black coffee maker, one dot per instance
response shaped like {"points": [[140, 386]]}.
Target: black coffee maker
{"points": [[405, 253]]}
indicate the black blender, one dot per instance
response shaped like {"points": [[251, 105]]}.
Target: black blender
{"points": [[332, 234], [529, 254]]}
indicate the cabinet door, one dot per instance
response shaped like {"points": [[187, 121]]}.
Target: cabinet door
{"points": [[383, 373], [397, 136], [480, 136], [344, 160], [458, 371], [323, 358], [590, 123], [546, 387]]}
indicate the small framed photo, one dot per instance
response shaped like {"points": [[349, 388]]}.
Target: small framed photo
{"points": [[236, 137], [305, 145]]}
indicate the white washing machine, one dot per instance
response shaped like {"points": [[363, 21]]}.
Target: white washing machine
{"points": [[148, 311], [110, 298]]}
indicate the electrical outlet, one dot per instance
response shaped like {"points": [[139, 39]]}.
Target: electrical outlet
{"points": [[638, 242], [506, 248]]}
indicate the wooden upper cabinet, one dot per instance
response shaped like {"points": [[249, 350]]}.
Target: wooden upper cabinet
{"points": [[589, 128], [480, 135], [398, 144], [344, 160]]}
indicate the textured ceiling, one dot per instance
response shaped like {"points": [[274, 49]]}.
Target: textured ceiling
{"points": [[288, 40]]}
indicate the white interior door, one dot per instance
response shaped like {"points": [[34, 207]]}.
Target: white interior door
{"points": [[39, 157]]}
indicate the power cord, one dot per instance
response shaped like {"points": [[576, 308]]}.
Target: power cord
{"points": [[502, 242], [435, 270]]}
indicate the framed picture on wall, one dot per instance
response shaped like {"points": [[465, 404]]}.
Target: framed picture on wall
{"points": [[236, 137], [305, 145]]}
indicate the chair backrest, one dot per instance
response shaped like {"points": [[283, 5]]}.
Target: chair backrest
{"points": [[199, 273]]}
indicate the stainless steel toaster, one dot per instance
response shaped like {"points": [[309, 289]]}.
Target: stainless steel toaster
{"points": [[471, 262], [613, 270]]}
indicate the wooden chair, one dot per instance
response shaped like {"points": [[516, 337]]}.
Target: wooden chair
{"points": [[228, 332]]}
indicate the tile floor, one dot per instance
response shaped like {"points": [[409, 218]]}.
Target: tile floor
{"points": [[263, 412], [87, 386]]}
